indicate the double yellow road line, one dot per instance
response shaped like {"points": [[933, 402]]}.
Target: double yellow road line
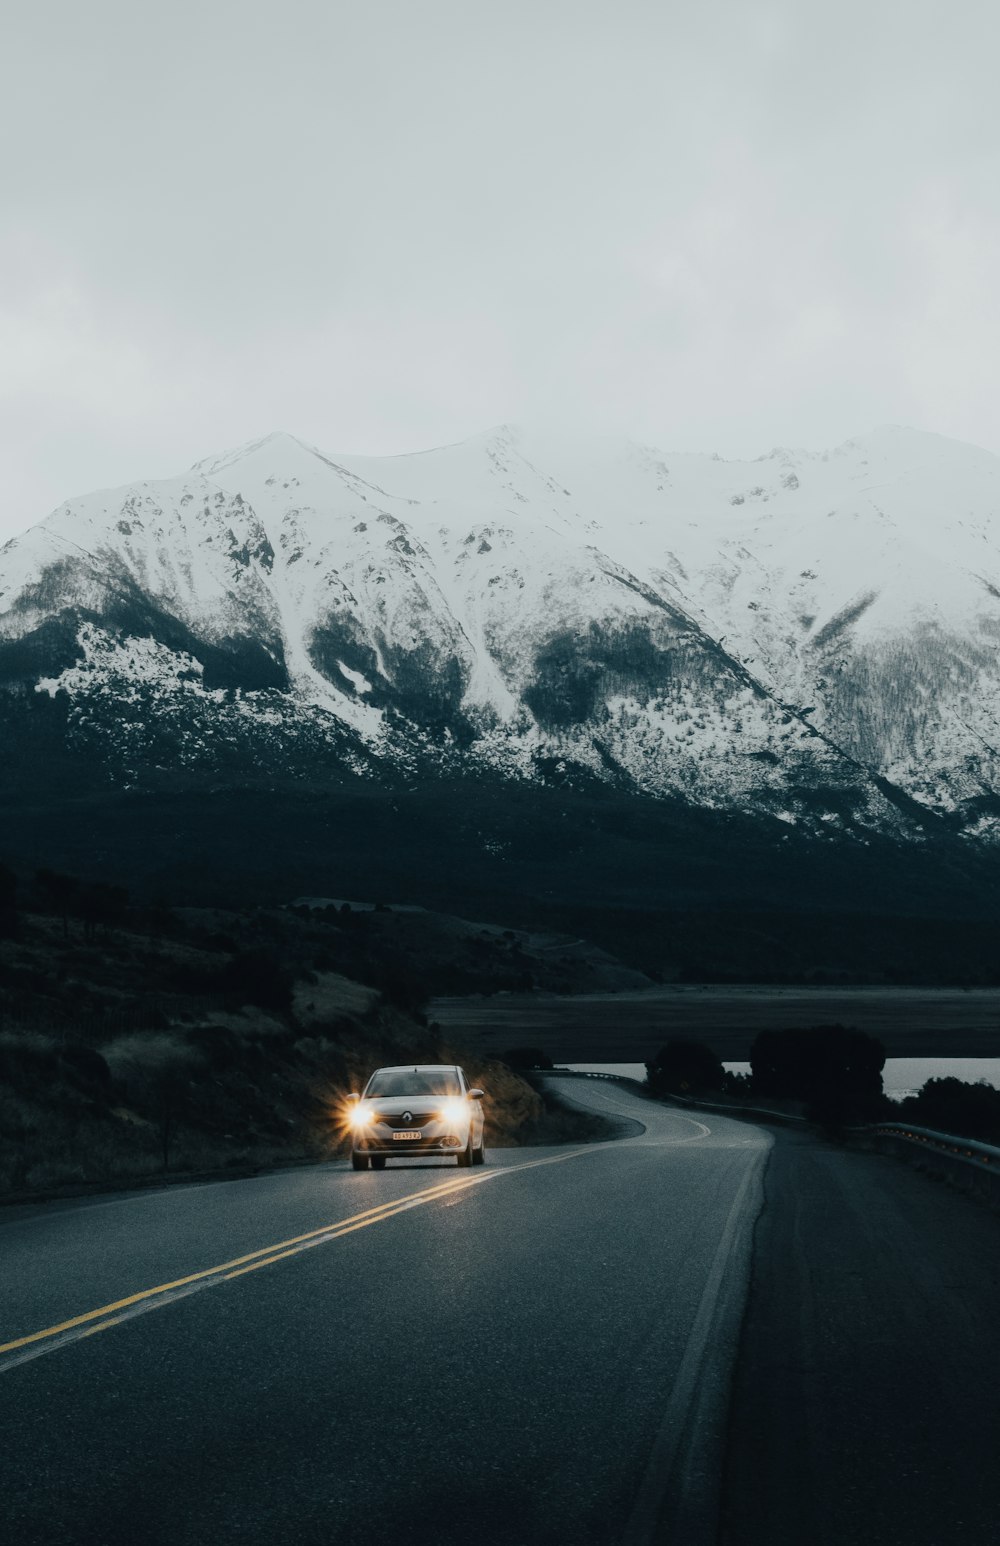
{"points": [[20, 1349]]}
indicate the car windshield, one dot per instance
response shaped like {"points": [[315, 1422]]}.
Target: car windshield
{"points": [[414, 1081]]}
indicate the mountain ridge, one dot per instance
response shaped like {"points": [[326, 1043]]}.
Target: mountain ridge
{"points": [[768, 636]]}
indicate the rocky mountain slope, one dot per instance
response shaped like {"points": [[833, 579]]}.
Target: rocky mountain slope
{"points": [[809, 637]]}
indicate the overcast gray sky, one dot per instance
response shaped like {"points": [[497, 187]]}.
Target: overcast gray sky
{"points": [[388, 224]]}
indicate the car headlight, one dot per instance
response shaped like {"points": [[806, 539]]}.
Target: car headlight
{"points": [[454, 1110], [361, 1116]]}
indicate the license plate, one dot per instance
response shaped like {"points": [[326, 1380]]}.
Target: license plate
{"points": [[402, 1137]]}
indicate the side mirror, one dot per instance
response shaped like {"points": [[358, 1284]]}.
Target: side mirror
{"points": [[354, 1097], [476, 1094]]}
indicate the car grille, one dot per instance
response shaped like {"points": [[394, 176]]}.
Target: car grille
{"points": [[420, 1119]]}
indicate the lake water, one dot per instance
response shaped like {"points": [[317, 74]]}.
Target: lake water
{"points": [[900, 1077], [607, 1028]]}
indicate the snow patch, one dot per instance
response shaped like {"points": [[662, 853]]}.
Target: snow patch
{"points": [[358, 682]]}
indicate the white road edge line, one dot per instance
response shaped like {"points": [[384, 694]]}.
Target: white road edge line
{"points": [[663, 1468]]}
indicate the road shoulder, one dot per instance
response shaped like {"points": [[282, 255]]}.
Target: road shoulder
{"points": [[866, 1398]]}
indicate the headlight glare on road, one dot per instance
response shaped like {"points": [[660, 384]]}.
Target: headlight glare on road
{"points": [[453, 1110]]}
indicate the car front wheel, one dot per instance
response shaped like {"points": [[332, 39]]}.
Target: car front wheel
{"points": [[359, 1161], [479, 1155], [378, 1161], [464, 1156]]}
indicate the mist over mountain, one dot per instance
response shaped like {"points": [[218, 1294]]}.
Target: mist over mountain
{"points": [[651, 698]]}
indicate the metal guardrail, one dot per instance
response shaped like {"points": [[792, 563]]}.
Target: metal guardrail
{"points": [[583, 1073], [970, 1150], [972, 1165], [738, 1111]]}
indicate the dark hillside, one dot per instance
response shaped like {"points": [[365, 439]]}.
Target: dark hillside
{"points": [[677, 892], [137, 1041]]}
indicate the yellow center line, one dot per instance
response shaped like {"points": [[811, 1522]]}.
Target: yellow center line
{"points": [[337, 1231], [372, 1215], [280, 1250]]}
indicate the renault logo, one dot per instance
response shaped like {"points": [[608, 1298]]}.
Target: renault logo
{"points": [[407, 1116]]}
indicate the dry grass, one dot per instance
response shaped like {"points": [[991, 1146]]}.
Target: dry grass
{"points": [[121, 1058], [151, 1055], [329, 997], [211, 1097]]}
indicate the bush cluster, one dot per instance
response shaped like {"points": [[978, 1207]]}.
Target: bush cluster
{"points": [[835, 1070], [954, 1106], [684, 1067], [526, 1059]]}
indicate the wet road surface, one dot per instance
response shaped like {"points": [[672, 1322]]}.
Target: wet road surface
{"points": [[537, 1352]]}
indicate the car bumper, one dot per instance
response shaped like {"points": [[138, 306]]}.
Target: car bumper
{"points": [[435, 1141]]}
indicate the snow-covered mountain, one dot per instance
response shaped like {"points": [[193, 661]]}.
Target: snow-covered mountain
{"points": [[812, 636]]}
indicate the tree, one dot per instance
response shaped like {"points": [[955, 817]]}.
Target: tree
{"points": [[8, 903], [59, 892], [955, 1106], [684, 1067], [171, 1092], [258, 977], [526, 1058], [835, 1069], [101, 906]]}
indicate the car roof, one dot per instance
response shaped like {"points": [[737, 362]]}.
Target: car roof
{"points": [[410, 1068]]}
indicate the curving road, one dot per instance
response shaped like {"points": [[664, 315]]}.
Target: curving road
{"points": [[695, 1334], [539, 1352]]}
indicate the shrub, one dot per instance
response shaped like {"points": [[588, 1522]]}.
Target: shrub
{"points": [[89, 1067], [8, 903], [258, 977], [27, 1058], [526, 1058], [220, 1046], [101, 906], [684, 1067], [59, 893], [835, 1069], [953, 1106]]}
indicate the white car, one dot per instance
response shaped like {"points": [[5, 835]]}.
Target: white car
{"points": [[417, 1109]]}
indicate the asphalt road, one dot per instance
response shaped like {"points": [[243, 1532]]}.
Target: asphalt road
{"points": [[696, 1334], [866, 1400], [538, 1352]]}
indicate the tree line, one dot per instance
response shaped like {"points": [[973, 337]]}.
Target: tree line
{"points": [[95, 905], [835, 1073]]}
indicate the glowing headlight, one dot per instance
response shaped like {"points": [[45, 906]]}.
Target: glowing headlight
{"points": [[453, 1110], [361, 1116]]}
